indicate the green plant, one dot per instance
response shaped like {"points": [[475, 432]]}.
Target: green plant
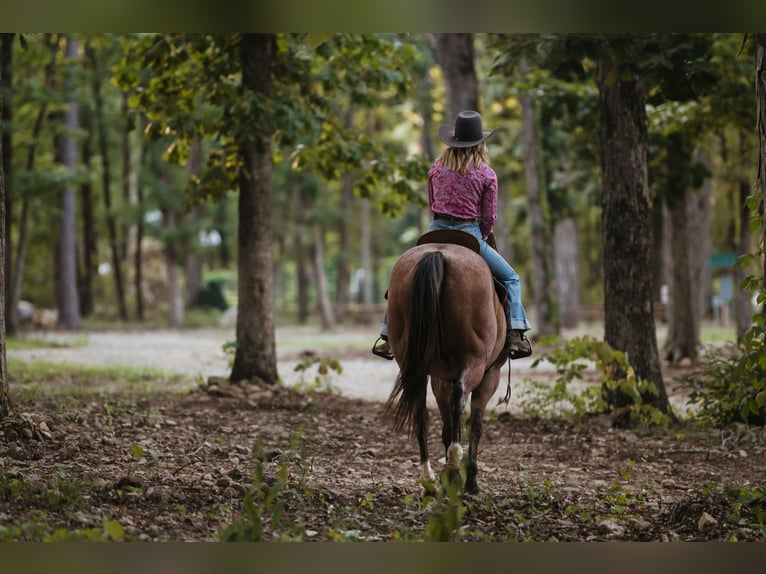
{"points": [[619, 388], [729, 384], [265, 503], [322, 379]]}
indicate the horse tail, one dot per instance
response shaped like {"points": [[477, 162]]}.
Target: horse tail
{"points": [[424, 345]]}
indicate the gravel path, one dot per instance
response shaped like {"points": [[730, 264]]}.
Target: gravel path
{"points": [[200, 354]]}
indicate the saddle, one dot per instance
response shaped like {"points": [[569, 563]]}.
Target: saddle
{"points": [[464, 239]]}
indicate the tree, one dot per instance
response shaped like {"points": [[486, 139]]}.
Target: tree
{"points": [[106, 179], [535, 194], [256, 341], [5, 400], [68, 298], [628, 316], [455, 55], [6, 85], [760, 95]]}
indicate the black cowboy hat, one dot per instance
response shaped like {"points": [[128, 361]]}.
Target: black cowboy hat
{"points": [[466, 132]]}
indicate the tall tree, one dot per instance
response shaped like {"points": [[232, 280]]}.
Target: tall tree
{"points": [[68, 298], [5, 399], [455, 55], [256, 331], [106, 178], [6, 85], [760, 96], [628, 318], [52, 43], [546, 325]]}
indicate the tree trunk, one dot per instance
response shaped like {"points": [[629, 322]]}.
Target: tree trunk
{"points": [[541, 281], [256, 356], [301, 264], [69, 301], [323, 293], [193, 263], [683, 326], [342, 296], [126, 173], [5, 399], [10, 312], [89, 247], [175, 294], [743, 308], [106, 181], [138, 264], [628, 318], [699, 242], [368, 273], [760, 96], [21, 246], [567, 271], [455, 55]]}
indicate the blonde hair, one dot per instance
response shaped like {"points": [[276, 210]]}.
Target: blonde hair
{"points": [[460, 159]]}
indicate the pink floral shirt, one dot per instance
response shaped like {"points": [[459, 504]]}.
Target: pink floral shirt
{"points": [[468, 195]]}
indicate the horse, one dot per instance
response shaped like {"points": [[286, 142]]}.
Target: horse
{"points": [[446, 322]]}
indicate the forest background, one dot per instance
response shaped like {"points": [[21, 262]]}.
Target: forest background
{"points": [[121, 173], [184, 179]]}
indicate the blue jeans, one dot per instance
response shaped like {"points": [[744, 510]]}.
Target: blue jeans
{"points": [[499, 267]]}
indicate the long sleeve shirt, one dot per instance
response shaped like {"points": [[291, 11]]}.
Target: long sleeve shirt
{"points": [[469, 195]]}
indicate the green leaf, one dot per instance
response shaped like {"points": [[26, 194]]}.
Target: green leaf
{"points": [[113, 529], [314, 39], [138, 452]]}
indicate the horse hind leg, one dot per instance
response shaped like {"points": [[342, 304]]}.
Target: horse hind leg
{"points": [[427, 474], [451, 431]]}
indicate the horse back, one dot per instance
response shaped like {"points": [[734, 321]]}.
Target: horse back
{"points": [[470, 310]]}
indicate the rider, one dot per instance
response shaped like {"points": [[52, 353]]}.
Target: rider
{"points": [[462, 194]]}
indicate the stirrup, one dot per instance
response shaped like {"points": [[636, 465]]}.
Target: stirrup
{"points": [[383, 353], [514, 354]]}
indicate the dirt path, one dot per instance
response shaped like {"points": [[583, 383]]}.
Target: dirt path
{"points": [[154, 466]]}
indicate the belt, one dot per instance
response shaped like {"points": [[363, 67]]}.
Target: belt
{"points": [[451, 219]]}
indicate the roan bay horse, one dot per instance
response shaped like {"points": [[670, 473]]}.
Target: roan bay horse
{"points": [[445, 322]]}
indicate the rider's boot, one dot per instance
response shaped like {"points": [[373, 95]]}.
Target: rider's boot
{"points": [[382, 348], [516, 342]]}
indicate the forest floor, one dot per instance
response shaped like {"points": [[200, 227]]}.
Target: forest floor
{"points": [[193, 458]]}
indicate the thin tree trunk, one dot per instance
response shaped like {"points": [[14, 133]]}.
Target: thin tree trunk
{"points": [[699, 242], [138, 263], [368, 273], [683, 329], [743, 307], [342, 296], [301, 264], [88, 228], [106, 180], [21, 245], [567, 271], [760, 96], [542, 288], [175, 296], [193, 263], [10, 312], [323, 293], [628, 318], [5, 399], [256, 356], [455, 55], [126, 174], [69, 301]]}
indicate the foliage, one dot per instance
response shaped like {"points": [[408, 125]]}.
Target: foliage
{"points": [[265, 505], [729, 386], [619, 388], [322, 380]]}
